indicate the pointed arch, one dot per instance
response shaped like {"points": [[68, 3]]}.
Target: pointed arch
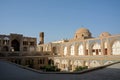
{"points": [[57, 63], [116, 48], [77, 63], [96, 49], [16, 45], [94, 63], [64, 65], [108, 62]]}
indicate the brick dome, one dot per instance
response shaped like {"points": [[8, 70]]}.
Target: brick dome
{"points": [[82, 33], [105, 34]]}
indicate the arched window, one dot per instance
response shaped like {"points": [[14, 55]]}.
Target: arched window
{"points": [[80, 50], [72, 49], [96, 50], [5, 40], [65, 50], [116, 48]]}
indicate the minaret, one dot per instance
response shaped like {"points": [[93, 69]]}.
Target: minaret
{"points": [[41, 35]]}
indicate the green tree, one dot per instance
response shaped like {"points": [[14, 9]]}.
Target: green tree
{"points": [[80, 68]]}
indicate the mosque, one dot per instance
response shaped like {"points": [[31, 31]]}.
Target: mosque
{"points": [[81, 50]]}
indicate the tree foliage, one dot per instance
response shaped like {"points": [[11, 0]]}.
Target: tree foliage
{"points": [[80, 68]]}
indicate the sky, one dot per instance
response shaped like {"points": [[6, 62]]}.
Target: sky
{"points": [[59, 19]]}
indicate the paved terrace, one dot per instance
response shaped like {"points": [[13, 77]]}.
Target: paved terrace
{"points": [[9, 71]]}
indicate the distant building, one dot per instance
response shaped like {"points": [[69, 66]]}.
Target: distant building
{"points": [[21, 50], [16, 44], [83, 50]]}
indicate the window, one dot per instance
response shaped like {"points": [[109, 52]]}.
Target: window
{"points": [[96, 49], [6, 40], [54, 50], [80, 50], [32, 43], [65, 50], [72, 50], [25, 42]]}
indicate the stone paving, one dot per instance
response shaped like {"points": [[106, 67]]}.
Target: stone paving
{"points": [[10, 71]]}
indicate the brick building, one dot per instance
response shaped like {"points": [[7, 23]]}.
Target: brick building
{"points": [[83, 50]]}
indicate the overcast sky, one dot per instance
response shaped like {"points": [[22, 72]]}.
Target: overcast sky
{"points": [[59, 19]]}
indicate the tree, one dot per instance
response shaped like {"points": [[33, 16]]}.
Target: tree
{"points": [[80, 68], [50, 68]]}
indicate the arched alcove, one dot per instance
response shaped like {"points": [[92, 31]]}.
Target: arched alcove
{"points": [[116, 48], [80, 50], [16, 45]]}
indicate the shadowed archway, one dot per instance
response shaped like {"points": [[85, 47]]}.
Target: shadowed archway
{"points": [[16, 45]]}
